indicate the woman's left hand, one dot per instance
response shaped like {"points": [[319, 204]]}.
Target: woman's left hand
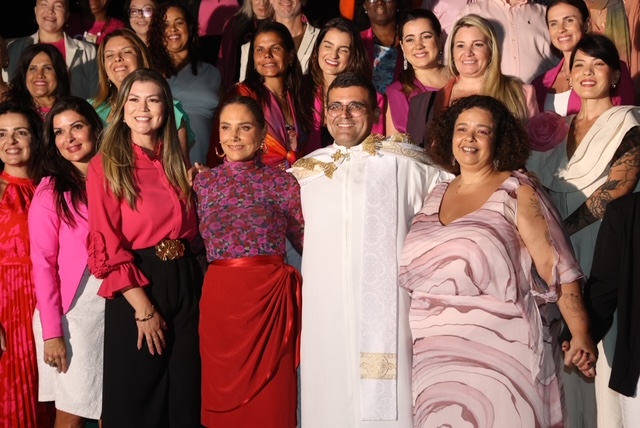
{"points": [[582, 353], [55, 354], [196, 169]]}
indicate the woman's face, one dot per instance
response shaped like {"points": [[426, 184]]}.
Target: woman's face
{"points": [[474, 138], [41, 78], [15, 140], [591, 77], [334, 52], [120, 59], [260, 8], [270, 56], [144, 109], [420, 44], [74, 136], [471, 53], [566, 27], [140, 14], [240, 134], [381, 12], [176, 31], [51, 15]]}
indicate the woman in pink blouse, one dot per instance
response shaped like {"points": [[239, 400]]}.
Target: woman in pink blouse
{"points": [[142, 224]]}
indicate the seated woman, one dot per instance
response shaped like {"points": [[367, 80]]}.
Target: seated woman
{"points": [[249, 323], [274, 78], [475, 58], [142, 231], [121, 53], [140, 13], [596, 162], [41, 79], [80, 57], [338, 49], [568, 22], [420, 39], [485, 261], [69, 322], [173, 44]]}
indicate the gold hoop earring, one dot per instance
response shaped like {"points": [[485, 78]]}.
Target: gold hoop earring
{"points": [[220, 155]]}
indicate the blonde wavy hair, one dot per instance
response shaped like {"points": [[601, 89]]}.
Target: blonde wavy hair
{"points": [[118, 159], [507, 89]]}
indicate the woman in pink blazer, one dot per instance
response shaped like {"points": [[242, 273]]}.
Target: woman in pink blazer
{"points": [[69, 320]]}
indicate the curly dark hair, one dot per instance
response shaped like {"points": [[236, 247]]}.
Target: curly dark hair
{"points": [[511, 140], [157, 48]]}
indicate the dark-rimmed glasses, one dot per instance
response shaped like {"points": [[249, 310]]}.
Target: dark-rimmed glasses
{"points": [[146, 12]]}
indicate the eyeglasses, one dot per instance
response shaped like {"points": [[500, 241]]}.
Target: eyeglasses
{"points": [[146, 12], [376, 1], [354, 108]]}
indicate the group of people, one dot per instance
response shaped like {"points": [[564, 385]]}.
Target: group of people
{"points": [[425, 222]]}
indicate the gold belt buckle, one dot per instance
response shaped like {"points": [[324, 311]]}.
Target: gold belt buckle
{"points": [[170, 249]]}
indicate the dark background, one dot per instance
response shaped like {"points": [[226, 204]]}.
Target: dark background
{"points": [[17, 19]]}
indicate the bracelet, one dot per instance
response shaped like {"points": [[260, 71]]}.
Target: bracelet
{"points": [[148, 317]]}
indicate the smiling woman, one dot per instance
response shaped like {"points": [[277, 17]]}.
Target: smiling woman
{"points": [[141, 227], [42, 78]]}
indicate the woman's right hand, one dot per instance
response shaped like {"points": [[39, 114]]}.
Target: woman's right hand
{"points": [[3, 341], [55, 354], [151, 331]]}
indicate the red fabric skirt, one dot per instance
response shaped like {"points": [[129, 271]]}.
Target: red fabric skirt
{"points": [[249, 343]]}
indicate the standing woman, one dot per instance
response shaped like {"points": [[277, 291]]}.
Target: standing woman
{"points": [[69, 322], [597, 161], [20, 133], [173, 44], [382, 42], [121, 53], [142, 223], [568, 22], [338, 49], [249, 325], [419, 31], [274, 79], [41, 79]]}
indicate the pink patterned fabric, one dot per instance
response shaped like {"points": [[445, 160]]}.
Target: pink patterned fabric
{"points": [[483, 323], [246, 209]]}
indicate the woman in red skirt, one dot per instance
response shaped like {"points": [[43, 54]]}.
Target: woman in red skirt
{"points": [[250, 306]]}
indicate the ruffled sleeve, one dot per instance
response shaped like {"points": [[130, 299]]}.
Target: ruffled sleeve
{"points": [[110, 257]]}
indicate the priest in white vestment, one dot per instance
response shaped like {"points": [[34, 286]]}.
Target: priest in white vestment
{"points": [[358, 198]]}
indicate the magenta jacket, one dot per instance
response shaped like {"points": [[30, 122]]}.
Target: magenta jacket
{"points": [[624, 94], [58, 255]]}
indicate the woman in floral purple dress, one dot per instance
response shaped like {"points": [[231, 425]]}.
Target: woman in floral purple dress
{"points": [[250, 306]]}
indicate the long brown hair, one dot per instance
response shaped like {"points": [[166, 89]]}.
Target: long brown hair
{"points": [[118, 159]]}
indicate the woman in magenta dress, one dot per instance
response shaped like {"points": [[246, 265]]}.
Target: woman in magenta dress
{"points": [[249, 322], [20, 132], [490, 270]]}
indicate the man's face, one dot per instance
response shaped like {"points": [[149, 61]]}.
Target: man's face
{"points": [[349, 115]]}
